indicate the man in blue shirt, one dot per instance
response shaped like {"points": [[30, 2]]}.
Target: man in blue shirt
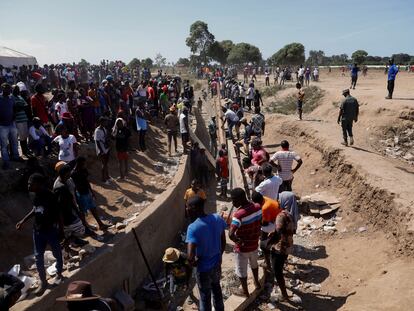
{"points": [[206, 243], [8, 129], [392, 73], [354, 76]]}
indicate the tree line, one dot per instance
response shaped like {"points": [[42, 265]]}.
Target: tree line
{"points": [[205, 49]]}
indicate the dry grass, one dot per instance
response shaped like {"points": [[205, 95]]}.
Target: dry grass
{"points": [[269, 91], [287, 105]]}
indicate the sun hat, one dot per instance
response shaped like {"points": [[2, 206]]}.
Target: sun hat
{"points": [[79, 291], [171, 255]]}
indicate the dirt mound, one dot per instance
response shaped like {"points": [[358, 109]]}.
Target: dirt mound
{"points": [[287, 104], [372, 203]]}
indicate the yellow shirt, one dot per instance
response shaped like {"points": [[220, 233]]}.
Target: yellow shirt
{"points": [[190, 193]]}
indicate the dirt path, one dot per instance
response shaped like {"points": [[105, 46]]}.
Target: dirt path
{"points": [[369, 270], [355, 270]]}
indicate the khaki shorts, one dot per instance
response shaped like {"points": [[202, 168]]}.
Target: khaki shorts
{"points": [[22, 130], [242, 259]]}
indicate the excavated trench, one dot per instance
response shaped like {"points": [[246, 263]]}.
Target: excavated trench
{"points": [[376, 206]]}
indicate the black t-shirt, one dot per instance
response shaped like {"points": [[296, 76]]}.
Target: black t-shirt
{"points": [[121, 139], [80, 178], [46, 209], [65, 202]]}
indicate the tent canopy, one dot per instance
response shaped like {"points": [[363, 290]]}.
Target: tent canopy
{"points": [[10, 58]]}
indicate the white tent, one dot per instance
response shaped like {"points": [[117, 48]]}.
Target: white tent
{"points": [[10, 58]]}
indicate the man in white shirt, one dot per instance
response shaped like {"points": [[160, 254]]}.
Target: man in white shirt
{"points": [[231, 118], [250, 96], [301, 73], [270, 186], [39, 138], [184, 129], [283, 160], [102, 147]]}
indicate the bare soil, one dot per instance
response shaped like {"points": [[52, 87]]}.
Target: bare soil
{"points": [[150, 173], [371, 269]]}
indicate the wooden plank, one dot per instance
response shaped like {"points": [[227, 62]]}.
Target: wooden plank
{"points": [[239, 303]]}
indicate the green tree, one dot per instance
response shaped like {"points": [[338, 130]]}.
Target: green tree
{"points": [[159, 60], [216, 52], [147, 63], [359, 56], [200, 40], [243, 53], [219, 51], [339, 59], [290, 54], [134, 63], [316, 57], [401, 58], [183, 61], [83, 63]]}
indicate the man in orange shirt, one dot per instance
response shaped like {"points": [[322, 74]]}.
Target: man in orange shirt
{"points": [[270, 210], [194, 190]]}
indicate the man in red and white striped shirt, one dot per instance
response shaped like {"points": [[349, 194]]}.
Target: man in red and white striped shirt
{"points": [[283, 160]]}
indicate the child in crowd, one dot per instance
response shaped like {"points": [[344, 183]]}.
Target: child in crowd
{"points": [[68, 146], [84, 193], [121, 133]]}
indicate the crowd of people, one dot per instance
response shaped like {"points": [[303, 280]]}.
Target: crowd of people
{"points": [[65, 105], [52, 113], [265, 223], [62, 107]]}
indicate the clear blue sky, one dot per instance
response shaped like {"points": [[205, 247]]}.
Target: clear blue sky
{"points": [[57, 31]]}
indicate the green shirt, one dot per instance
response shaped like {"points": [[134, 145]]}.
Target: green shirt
{"points": [[20, 107]]}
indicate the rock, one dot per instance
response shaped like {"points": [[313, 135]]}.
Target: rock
{"points": [[317, 186], [82, 253], [307, 271], [271, 306], [74, 259], [384, 272], [315, 288], [120, 226], [88, 249], [296, 299], [409, 157], [362, 229], [396, 140], [294, 282], [72, 266], [308, 220], [329, 228], [120, 199]]}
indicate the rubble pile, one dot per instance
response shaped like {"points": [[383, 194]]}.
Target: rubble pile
{"points": [[399, 143]]}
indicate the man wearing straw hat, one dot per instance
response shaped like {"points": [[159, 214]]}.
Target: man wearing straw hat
{"points": [[79, 297], [177, 265]]}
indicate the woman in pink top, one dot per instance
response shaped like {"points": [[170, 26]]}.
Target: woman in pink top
{"points": [[258, 154]]}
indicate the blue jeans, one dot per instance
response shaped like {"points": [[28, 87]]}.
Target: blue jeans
{"points": [[209, 282], [8, 134], [41, 239]]}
